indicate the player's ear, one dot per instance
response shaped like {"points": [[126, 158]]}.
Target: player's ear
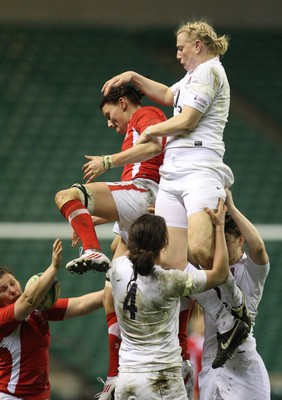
{"points": [[122, 103], [241, 241]]}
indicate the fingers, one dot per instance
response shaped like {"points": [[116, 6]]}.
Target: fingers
{"points": [[86, 165], [57, 246], [220, 210], [57, 243], [88, 174], [117, 80], [93, 168], [220, 204], [208, 211], [75, 242], [109, 84]]}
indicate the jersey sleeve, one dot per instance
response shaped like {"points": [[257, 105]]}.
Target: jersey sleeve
{"points": [[57, 312], [7, 320], [195, 282], [149, 116], [182, 283], [257, 272], [201, 91]]}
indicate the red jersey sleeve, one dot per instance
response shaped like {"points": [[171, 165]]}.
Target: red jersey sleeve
{"points": [[57, 312], [7, 320], [149, 169]]}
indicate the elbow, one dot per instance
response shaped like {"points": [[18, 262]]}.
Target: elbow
{"points": [[154, 148], [27, 303], [260, 247], [224, 275], [28, 300]]}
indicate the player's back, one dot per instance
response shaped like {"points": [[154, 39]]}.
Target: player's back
{"points": [[147, 311]]}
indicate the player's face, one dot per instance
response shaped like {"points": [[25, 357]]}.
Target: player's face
{"points": [[186, 52], [234, 247], [10, 290], [116, 117]]}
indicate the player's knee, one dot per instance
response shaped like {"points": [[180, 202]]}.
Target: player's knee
{"points": [[76, 192], [63, 196]]}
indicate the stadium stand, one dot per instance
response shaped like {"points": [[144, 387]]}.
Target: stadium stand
{"points": [[50, 81]]}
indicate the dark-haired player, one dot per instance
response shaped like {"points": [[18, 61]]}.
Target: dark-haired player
{"points": [[244, 376], [121, 201]]}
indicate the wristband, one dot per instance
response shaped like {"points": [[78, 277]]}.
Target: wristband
{"points": [[107, 162]]}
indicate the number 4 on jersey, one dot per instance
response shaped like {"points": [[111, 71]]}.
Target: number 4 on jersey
{"points": [[130, 301]]}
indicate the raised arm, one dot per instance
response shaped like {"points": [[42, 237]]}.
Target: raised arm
{"points": [[34, 293], [85, 304], [256, 246], [155, 91], [220, 269]]}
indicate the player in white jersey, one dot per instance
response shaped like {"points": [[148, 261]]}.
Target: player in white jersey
{"points": [[147, 302], [244, 376], [193, 175]]}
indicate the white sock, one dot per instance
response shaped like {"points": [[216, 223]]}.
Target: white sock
{"points": [[232, 292], [214, 307]]}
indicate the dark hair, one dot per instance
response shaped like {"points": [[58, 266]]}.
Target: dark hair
{"points": [[147, 237], [231, 227], [5, 270], [116, 92]]}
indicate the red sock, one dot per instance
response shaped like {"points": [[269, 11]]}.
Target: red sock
{"points": [[114, 340], [80, 220], [184, 316]]}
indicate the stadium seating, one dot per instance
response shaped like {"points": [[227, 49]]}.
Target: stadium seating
{"points": [[51, 81]]}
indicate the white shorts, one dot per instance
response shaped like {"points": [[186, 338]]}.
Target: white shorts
{"points": [[156, 385], [244, 377], [189, 184], [123, 234], [132, 199]]}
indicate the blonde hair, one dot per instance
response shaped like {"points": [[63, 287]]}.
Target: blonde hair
{"points": [[201, 30]]}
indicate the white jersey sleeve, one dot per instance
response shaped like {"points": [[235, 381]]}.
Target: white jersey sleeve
{"points": [[207, 90]]}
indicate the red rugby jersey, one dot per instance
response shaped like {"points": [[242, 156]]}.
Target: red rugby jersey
{"points": [[140, 120], [24, 351]]}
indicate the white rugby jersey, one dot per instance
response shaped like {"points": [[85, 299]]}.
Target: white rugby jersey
{"points": [[250, 277], [207, 90], [148, 314]]}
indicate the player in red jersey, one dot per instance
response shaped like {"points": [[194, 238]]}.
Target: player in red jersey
{"points": [[121, 201], [24, 330]]}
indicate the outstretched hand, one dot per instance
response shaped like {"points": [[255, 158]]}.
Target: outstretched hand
{"points": [[93, 168], [218, 216], [117, 80], [57, 254], [229, 199]]}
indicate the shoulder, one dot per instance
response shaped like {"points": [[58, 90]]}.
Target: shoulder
{"points": [[173, 279], [149, 111], [247, 266], [118, 264], [183, 81], [209, 70], [8, 322], [7, 314]]}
